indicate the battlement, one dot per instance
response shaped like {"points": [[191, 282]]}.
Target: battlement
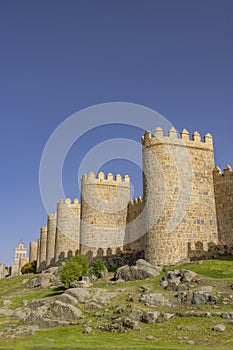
{"points": [[68, 203], [108, 179], [227, 171], [172, 138], [52, 216], [136, 201]]}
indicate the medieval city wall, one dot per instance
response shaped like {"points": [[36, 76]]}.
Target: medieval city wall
{"points": [[223, 187], [67, 229], [179, 194], [3, 271], [32, 251], [135, 236], [41, 264], [104, 202], [51, 237]]}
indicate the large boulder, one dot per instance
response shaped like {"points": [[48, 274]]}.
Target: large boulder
{"points": [[155, 299], [51, 313], [44, 281], [140, 271]]}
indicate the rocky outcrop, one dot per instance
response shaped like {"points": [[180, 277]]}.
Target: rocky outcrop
{"points": [[48, 313], [142, 270], [172, 279], [44, 281]]}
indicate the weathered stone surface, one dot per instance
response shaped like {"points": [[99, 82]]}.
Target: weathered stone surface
{"points": [[227, 315], [141, 271], [81, 284], [206, 289], [196, 298], [155, 299], [82, 295], [50, 313], [87, 330], [187, 276], [44, 281], [150, 317], [219, 328], [172, 279], [136, 314]]}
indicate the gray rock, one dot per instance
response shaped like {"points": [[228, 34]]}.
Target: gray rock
{"points": [[219, 328], [168, 316], [173, 284], [141, 271], [51, 313], [206, 289], [136, 314], [187, 276], [227, 315], [131, 324], [81, 284], [7, 302], [67, 299], [44, 281], [103, 299], [82, 295], [87, 330], [150, 337], [199, 298], [5, 312], [154, 299], [92, 307], [150, 317]]}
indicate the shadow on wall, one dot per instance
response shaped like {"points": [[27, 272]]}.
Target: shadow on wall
{"points": [[212, 250]]}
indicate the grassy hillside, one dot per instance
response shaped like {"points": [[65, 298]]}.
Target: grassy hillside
{"points": [[184, 332]]}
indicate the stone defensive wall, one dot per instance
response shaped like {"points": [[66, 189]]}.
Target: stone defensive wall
{"points": [[3, 271], [135, 231], [41, 263], [67, 230], [223, 187], [32, 251], [104, 203], [179, 194]]}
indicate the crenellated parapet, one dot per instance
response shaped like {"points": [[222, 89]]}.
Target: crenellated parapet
{"points": [[183, 139], [106, 179]]}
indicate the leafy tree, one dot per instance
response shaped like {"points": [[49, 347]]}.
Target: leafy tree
{"points": [[29, 268], [98, 266], [74, 268]]}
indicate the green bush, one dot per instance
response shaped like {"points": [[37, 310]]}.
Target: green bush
{"points": [[98, 266], [74, 268], [29, 268]]}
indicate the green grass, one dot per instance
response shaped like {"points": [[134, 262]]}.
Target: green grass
{"points": [[217, 269], [172, 334]]}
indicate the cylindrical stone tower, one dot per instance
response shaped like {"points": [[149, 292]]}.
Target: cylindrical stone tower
{"points": [[179, 195], [43, 247], [103, 213], [38, 256], [68, 230], [33, 251], [51, 235]]}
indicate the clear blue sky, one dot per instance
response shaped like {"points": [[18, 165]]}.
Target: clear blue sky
{"points": [[58, 57]]}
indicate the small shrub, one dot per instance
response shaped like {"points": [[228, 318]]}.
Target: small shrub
{"points": [[98, 266], [73, 269], [29, 268]]}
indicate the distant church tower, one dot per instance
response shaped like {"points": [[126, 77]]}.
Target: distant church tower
{"points": [[20, 259]]}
